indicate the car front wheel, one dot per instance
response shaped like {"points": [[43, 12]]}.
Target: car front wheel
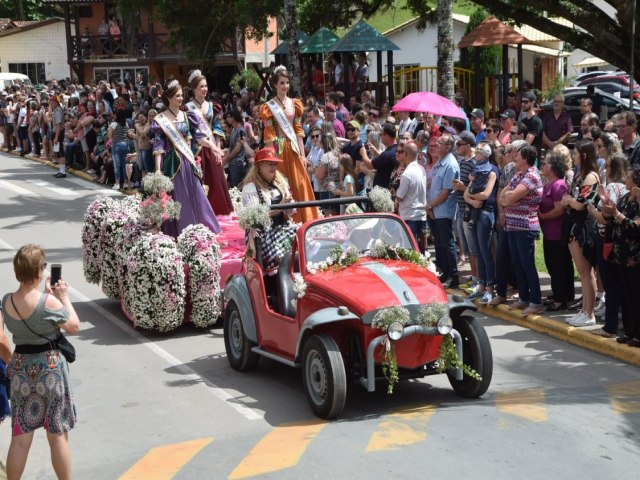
{"points": [[236, 343], [476, 353], [324, 376]]}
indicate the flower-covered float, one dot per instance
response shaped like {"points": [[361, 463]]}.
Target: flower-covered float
{"points": [[160, 282]]}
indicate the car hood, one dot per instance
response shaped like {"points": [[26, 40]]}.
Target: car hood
{"points": [[372, 284]]}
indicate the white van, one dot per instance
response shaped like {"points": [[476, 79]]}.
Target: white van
{"points": [[8, 79]]}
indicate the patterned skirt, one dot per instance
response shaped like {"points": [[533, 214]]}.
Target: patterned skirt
{"points": [[40, 393]]}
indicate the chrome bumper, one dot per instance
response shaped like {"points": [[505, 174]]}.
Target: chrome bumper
{"points": [[369, 382]]}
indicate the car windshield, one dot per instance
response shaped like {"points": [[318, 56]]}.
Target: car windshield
{"points": [[361, 232]]}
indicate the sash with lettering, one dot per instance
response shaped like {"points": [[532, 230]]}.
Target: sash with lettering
{"points": [[203, 123], [284, 124], [178, 141]]}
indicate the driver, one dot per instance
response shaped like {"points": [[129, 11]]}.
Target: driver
{"points": [[264, 184]]}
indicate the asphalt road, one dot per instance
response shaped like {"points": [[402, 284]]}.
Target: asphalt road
{"points": [[156, 406]]}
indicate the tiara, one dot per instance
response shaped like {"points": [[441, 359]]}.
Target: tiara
{"points": [[172, 83], [194, 74], [278, 69]]}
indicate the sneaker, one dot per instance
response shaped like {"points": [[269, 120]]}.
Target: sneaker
{"points": [[577, 305], [486, 299], [497, 300], [453, 282], [583, 320], [115, 187], [60, 175], [532, 309], [599, 312], [573, 318], [518, 305], [475, 295]]}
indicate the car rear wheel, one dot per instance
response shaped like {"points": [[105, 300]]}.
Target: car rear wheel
{"points": [[324, 376], [476, 353], [236, 343]]}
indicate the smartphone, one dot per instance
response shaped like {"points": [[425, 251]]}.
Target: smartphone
{"points": [[56, 273]]}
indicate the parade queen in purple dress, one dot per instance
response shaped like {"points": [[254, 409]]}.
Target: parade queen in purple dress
{"points": [[173, 131]]}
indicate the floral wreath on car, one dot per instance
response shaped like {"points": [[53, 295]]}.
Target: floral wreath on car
{"points": [[396, 318], [149, 272]]}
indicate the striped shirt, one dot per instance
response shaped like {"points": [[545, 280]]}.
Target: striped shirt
{"points": [[119, 134], [523, 216], [466, 167]]}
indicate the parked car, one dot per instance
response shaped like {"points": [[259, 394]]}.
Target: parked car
{"points": [[616, 89], [621, 78], [583, 76], [329, 330], [572, 97], [7, 79]]}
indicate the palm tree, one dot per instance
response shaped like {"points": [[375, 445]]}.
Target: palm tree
{"points": [[444, 16], [293, 60]]}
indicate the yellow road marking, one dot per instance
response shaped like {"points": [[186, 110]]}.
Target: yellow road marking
{"points": [[527, 404], [281, 448], [164, 462], [401, 428], [625, 397]]}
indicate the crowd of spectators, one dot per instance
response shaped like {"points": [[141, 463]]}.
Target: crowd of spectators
{"points": [[482, 190]]}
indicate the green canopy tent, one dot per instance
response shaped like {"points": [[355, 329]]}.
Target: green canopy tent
{"points": [[282, 50], [362, 37]]}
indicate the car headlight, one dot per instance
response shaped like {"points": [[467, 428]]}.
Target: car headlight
{"points": [[445, 324], [395, 331]]}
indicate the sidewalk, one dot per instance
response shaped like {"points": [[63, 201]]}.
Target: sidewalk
{"points": [[552, 323]]}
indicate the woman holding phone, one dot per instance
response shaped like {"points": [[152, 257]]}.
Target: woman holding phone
{"points": [[40, 386]]}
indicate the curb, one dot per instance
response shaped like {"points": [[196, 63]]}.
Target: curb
{"points": [[559, 329]]}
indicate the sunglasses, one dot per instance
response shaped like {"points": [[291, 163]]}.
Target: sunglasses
{"points": [[460, 144], [351, 129], [489, 130], [44, 267], [400, 151], [315, 136]]}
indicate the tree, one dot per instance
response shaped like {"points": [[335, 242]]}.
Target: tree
{"points": [[27, 10], [488, 55], [445, 48], [293, 57], [593, 30], [314, 14]]}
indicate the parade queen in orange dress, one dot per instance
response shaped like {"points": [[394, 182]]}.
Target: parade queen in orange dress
{"points": [[281, 117]]}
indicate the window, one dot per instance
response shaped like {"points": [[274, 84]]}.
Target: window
{"points": [[84, 11], [119, 74], [35, 71]]}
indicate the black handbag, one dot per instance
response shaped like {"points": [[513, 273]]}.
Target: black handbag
{"points": [[60, 343]]}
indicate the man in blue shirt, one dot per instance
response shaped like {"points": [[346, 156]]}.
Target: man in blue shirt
{"points": [[441, 209]]}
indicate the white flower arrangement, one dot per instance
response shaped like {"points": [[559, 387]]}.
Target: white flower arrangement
{"points": [[93, 218], [428, 315], [201, 252], [157, 208], [156, 282], [299, 285], [381, 249], [337, 259], [123, 212], [155, 184], [255, 216], [236, 199], [382, 320], [381, 200]]}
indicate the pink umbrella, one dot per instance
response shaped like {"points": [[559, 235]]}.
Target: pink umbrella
{"points": [[428, 102]]}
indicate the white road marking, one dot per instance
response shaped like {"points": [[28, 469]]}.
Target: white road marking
{"points": [[220, 393], [16, 188], [59, 190], [190, 374]]}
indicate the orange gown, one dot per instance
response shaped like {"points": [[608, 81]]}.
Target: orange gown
{"points": [[291, 166]]}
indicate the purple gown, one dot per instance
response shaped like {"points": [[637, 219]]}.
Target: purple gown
{"points": [[195, 208]]}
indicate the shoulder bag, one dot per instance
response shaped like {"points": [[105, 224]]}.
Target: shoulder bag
{"points": [[61, 343]]}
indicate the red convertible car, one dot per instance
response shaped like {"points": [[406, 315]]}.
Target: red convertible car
{"points": [[344, 277]]}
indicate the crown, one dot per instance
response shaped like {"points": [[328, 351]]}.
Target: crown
{"points": [[194, 74]]}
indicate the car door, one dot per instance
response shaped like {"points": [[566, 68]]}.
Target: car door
{"points": [[572, 105]]}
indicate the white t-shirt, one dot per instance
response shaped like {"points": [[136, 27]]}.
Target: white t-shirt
{"points": [[412, 193]]}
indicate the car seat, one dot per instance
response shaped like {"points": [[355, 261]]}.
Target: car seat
{"points": [[286, 292]]}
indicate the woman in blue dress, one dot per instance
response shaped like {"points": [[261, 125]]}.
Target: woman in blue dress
{"points": [[173, 131]]}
